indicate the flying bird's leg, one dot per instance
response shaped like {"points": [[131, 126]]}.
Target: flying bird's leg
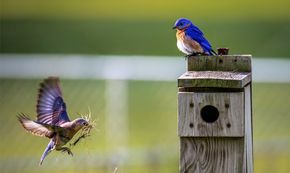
{"points": [[65, 149], [48, 149], [83, 136], [75, 142]]}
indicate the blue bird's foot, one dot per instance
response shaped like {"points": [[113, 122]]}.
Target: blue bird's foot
{"points": [[187, 56], [193, 54]]}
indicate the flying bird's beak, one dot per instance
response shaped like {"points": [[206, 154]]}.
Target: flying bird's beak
{"points": [[174, 27]]}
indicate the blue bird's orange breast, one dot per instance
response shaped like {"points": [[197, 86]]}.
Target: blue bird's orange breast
{"points": [[187, 45]]}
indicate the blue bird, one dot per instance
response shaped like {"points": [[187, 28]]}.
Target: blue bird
{"points": [[52, 119], [191, 40]]}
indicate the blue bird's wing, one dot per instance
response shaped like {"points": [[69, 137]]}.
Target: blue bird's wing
{"points": [[195, 29], [50, 107], [196, 34]]}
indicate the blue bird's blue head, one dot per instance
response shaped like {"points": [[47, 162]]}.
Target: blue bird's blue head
{"points": [[182, 23]]}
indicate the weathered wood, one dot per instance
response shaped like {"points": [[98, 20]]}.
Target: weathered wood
{"points": [[237, 63], [248, 154], [211, 155], [229, 123], [214, 79], [215, 115], [209, 89]]}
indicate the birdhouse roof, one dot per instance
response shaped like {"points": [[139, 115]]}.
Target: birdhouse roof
{"points": [[217, 71]]}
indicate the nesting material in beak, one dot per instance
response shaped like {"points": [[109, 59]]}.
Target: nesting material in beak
{"points": [[84, 131]]}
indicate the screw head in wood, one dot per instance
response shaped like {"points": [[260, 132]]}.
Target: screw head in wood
{"points": [[191, 105]]}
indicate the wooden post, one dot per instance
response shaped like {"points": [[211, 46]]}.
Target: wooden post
{"points": [[215, 115]]}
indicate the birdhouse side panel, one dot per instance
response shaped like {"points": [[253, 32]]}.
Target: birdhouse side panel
{"points": [[248, 147]]}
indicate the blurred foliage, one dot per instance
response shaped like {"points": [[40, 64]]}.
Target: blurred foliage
{"points": [[152, 128], [261, 28], [138, 37]]}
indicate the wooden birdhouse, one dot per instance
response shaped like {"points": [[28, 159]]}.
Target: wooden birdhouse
{"points": [[215, 115]]}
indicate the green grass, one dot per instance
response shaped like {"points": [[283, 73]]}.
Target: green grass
{"points": [[267, 39], [152, 127]]}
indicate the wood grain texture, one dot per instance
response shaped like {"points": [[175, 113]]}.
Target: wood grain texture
{"points": [[231, 114], [248, 130], [219, 79], [237, 63], [211, 155], [209, 89]]}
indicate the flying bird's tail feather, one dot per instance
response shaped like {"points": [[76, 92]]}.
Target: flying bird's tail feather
{"points": [[49, 148]]}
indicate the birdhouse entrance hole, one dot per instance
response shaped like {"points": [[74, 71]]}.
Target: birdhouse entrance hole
{"points": [[209, 114]]}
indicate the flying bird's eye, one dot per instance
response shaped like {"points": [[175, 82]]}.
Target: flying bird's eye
{"points": [[84, 123], [181, 24]]}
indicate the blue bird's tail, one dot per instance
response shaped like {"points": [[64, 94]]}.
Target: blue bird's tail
{"points": [[49, 148], [212, 52]]}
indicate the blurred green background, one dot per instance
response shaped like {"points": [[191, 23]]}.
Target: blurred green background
{"points": [[142, 27], [258, 27]]}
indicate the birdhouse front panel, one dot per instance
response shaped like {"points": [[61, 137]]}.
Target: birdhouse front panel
{"points": [[214, 114]]}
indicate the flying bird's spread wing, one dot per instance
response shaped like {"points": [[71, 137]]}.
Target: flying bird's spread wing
{"points": [[33, 127], [51, 108]]}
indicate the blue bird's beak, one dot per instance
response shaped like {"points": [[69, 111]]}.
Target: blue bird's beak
{"points": [[174, 27]]}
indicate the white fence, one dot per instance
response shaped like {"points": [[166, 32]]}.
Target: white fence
{"points": [[117, 70], [122, 67]]}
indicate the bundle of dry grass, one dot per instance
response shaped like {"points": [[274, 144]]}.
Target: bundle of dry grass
{"points": [[85, 131]]}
